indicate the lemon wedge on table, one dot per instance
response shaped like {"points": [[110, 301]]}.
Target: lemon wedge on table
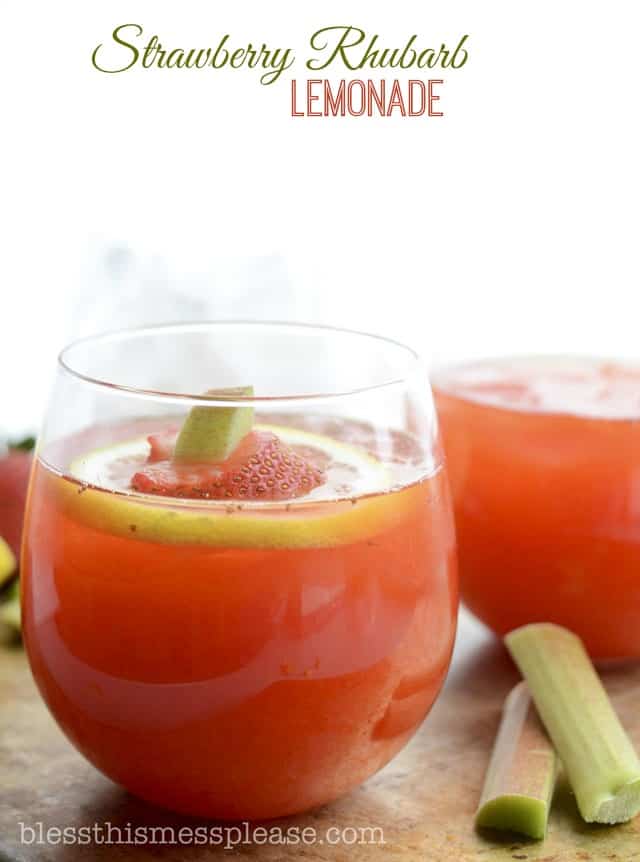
{"points": [[8, 564], [10, 607], [10, 610], [102, 501]]}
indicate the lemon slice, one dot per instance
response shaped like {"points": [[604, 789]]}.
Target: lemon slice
{"points": [[367, 506], [353, 471]]}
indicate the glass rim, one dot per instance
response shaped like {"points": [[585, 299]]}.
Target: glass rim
{"points": [[414, 360], [442, 379]]}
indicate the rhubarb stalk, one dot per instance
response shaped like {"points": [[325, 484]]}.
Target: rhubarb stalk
{"points": [[521, 776], [598, 757], [210, 434]]}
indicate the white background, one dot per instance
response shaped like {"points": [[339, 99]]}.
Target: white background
{"points": [[510, 224]]}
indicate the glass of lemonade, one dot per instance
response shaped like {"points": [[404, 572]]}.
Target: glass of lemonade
{"points": [[239, 576], [543, 455]]}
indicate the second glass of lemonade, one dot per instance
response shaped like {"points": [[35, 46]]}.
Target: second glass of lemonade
{"points": [[544, 459], [239, 576]]}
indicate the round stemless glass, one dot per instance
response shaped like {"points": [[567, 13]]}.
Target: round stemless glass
{"points": [[236, 657]]}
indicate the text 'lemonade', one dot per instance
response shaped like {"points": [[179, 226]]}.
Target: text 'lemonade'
{"points": [[544, 461]]}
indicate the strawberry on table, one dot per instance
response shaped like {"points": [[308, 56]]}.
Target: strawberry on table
{"points": [[15, 467]]}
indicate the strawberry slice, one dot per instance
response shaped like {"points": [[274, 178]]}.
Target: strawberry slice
{"points": [[261, 467], [162, 445]]}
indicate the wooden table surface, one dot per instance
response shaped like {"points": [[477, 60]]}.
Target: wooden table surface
{"points": [[424, 801]]}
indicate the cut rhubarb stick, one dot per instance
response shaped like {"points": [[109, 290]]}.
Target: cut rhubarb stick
{"points": [[598, 757], [8, 563], [520, 780], [210, 434]]}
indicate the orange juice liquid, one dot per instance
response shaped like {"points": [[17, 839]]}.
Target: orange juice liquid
{"points": [[239, 681], [544, 462]]}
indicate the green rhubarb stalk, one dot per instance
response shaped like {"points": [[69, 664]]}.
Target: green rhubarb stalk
{"points": [[598, 757], [8, 563], [210, 434], [522, 772]]}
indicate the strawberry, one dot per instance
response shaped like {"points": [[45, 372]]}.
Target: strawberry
{"points": [[261, 467], [162, 445], [14, 479]]}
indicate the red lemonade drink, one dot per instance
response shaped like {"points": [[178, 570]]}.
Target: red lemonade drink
{"points": [[245, 621], [544, 460]]}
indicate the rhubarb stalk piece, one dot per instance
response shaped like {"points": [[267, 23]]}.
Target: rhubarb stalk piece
{"points": [[522, 772], [598, 757], [210, 434]]}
